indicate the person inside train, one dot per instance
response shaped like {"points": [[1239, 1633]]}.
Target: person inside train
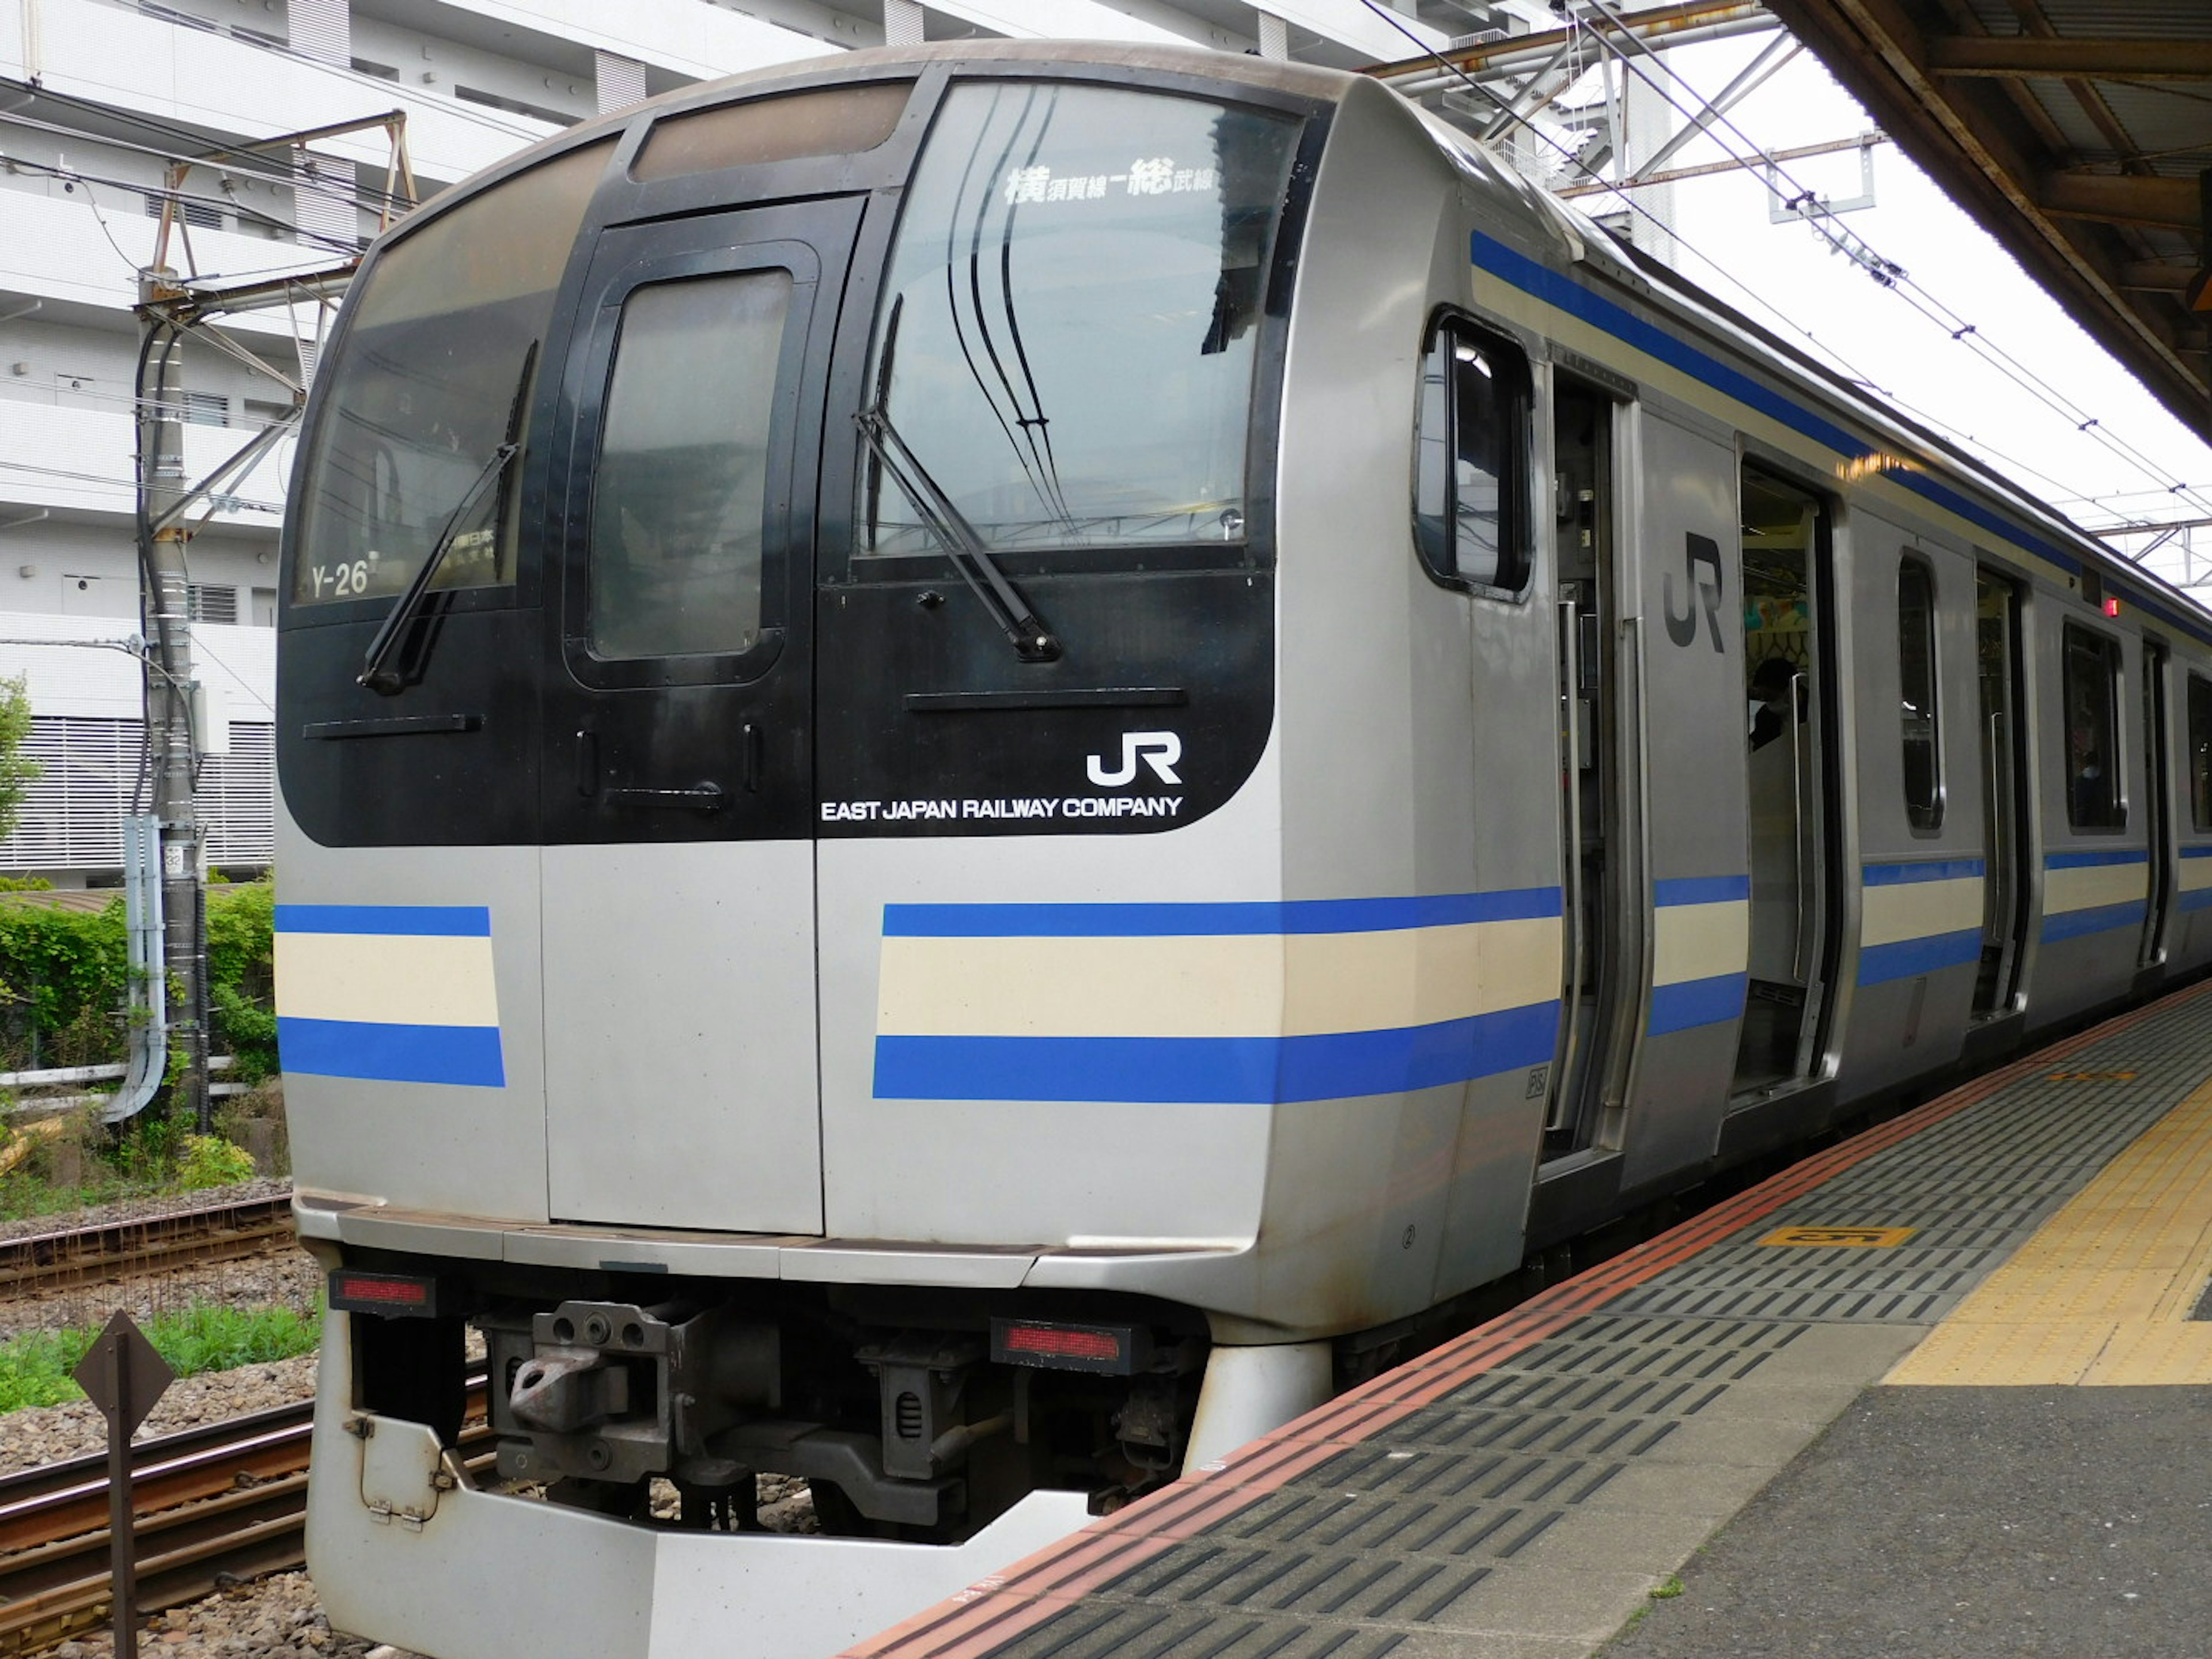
{"points": [[1770, 700]]}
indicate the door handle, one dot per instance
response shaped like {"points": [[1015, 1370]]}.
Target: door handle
{"points": [[701, 798]]}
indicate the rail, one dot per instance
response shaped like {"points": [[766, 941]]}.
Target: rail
{"points": [[211, 1506], [207, 1232]]}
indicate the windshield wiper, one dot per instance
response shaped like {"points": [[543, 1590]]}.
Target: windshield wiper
{"points": [[376, 673], [1024, 631]]}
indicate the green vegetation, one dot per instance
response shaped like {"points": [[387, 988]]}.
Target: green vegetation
{"points": [[210, 1161], [34, 1368], [1667, 1589], [17, 774], [65, 975]]}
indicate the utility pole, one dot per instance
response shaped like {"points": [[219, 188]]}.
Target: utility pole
{"points": [[166, 600]]}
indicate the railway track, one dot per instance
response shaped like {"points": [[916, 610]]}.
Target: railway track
{"points": [[139, 1244], [212, 1506]]}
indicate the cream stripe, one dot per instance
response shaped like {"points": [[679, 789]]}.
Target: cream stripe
{"points": [[1216, 985], [2196, 875], [388, 979], [1700, 941], [2084, 887], [1917, 909]]}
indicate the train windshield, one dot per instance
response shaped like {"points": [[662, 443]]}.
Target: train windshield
{"points": [[431, 381], [1065, 339]]}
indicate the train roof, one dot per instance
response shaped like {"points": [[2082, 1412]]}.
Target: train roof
{"points": [[1569, 234]]}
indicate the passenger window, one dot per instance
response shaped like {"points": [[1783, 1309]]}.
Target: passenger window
{"points": [[2200, 753], [677, 515], [1470, 460], [2092, 669], [1916, 674]]}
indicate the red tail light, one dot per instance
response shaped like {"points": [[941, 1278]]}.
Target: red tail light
{"points": [[1054, 1346], [390, 1294]]}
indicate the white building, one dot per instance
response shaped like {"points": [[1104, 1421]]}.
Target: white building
{"points": [[98, 98]]}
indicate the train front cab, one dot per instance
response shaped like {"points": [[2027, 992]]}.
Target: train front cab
{"points": [[649, 1004]]}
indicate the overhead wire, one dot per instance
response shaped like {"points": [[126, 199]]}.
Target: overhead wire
{"points": [[250, 164], [1957, 328], [1901, 282]]}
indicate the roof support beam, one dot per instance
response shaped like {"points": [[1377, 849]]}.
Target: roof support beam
{"points": [[2130, 200], [2056, 58]]}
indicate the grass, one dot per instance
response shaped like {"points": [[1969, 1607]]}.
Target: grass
{"points": [[35, 1367]]}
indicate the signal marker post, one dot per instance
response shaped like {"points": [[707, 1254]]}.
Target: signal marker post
{"points": [[124, 1376]]}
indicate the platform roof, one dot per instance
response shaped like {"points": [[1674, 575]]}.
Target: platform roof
{"points": [[2077, 133]]}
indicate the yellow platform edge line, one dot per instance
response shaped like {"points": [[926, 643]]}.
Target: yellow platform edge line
{"points": [[2100, 1294]]}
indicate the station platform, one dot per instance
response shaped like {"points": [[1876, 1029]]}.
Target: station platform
{"points": [[1940, 1390]]}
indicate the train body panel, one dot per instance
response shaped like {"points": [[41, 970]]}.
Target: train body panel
{"points": [[1003, 753]]}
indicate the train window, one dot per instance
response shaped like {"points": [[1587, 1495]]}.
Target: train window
{"points": [[1916, 672], [1471, 459], [1067, 335], [2092, 671], [436, 363], [682, 481], [2200, 753], [833, 121]]}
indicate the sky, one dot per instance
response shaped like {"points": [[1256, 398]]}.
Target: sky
{"points": [[2015, 390]]}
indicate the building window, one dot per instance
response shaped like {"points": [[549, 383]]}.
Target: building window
{"points": [[206, 409], [2092, 671], [1471, 521], [200, 215], [212, 604], [1916, 674], [2200, 753]]}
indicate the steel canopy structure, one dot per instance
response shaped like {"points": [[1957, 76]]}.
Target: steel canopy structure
{"points": [[2076, 132]]}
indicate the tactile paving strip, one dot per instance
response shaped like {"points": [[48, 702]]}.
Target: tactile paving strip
{"points": [[1973, 1189], [1395, 1511]]}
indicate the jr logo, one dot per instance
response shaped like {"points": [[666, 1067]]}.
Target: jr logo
{"points": [[1159, 750], [1682, 626]]}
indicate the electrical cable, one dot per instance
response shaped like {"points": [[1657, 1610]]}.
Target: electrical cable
{"points": [[1900, 281], [1956, 327]]}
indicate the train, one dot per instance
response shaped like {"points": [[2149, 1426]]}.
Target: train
{"points": [[995, 758]]}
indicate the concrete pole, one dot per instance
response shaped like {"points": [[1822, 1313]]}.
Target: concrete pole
{"points": [[166, 601]]}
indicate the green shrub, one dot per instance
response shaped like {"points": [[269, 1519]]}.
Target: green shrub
{"points": [[210, 1161]]}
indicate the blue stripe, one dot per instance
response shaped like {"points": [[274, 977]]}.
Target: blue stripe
{"points": [[1171, 921], [1243, 1071], [392, 1053], [1697, 1002], [1699, 889], [2098, 919], [2196, 851], [2088, 860], [1653, 341], [444, 920], [1899, 875], [2195, 899], [1570, 296], [1907, 958]]}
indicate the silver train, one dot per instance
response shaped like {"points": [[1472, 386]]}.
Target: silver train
{"points": [[993, 758]]}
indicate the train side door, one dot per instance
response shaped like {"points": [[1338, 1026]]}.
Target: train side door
{"points": [[1789, 682], [679, 873], [1602, 933], [2005, 797], [2158, 799]]}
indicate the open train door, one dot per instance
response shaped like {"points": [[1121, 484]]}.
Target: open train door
{"points": [[678, 879]]}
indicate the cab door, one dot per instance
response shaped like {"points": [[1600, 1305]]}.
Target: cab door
{"points": [[678, 875]]}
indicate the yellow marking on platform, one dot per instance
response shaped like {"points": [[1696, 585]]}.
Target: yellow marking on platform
{"points": [[2088, 1077], [2101, 1294], [1863, 1238]]}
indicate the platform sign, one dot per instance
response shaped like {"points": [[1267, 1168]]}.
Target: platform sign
{"points": [[123, 1376], [1861, 1238]]}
